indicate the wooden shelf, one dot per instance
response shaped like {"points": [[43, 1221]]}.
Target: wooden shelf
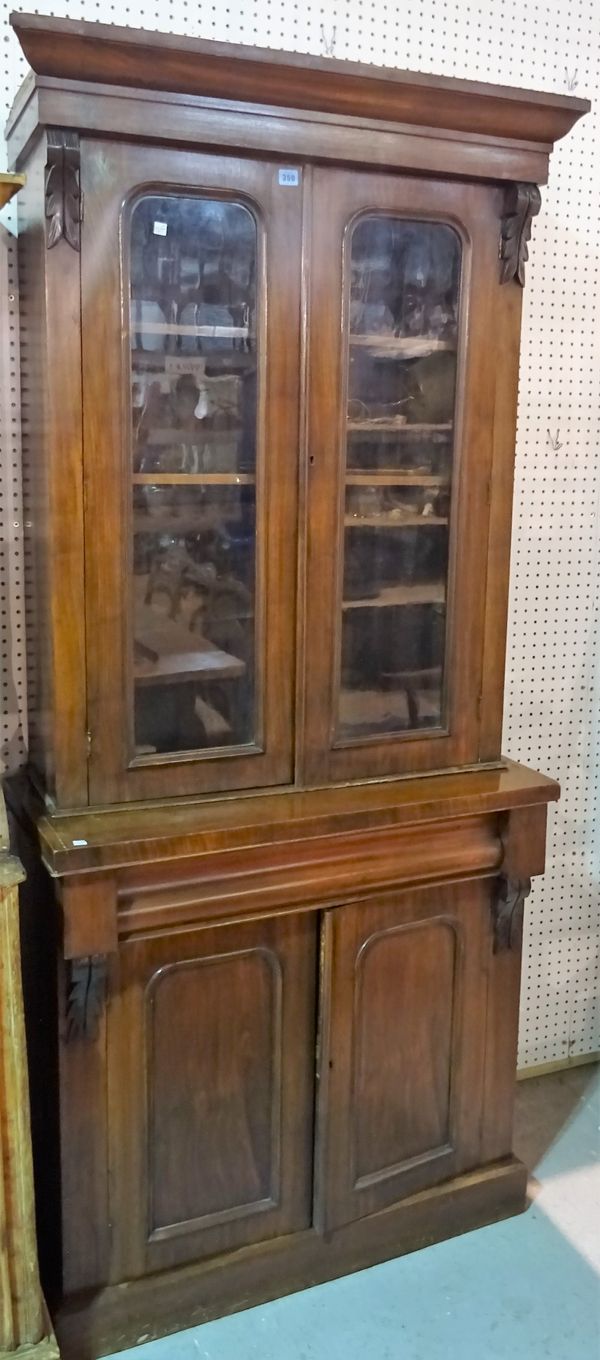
{"points": [[207, 332], [193, 479], [402, 347], [404, 431], [427, 592], [391, 521], [387, 477]]}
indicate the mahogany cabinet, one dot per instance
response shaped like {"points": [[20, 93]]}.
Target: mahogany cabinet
{"points": [[276, 861]]}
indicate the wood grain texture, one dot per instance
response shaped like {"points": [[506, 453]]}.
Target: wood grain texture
{"points": [[84, 1165], [53, 494], [21, 1306], [63, 48], [119, 837], [238, 126], [211, 1052], [89, 915], [402, 1058], [304, 874]]}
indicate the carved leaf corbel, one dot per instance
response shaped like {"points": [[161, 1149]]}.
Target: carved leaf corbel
{"points": [[523, 202], [63, 189], [86, 995], [508, 908]]}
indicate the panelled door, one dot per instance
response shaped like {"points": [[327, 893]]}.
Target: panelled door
{"points": [[401, 1048], [401, 389], [211, 1070], [191, 370]]}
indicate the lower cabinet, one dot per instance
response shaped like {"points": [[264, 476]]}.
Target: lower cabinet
{"points": [[214, 1096], [211, 1062], [401, 1047]]}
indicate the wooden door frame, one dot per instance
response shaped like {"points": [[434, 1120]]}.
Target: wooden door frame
{"points": [[473, 211], [112, 175]]}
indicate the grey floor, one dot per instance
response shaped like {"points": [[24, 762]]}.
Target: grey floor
{"points": [[527, 1289]]}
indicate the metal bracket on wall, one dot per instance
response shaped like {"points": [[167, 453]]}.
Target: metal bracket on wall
{"points": [[63, 197], [508, 905], [522, 204], [86, 995]]}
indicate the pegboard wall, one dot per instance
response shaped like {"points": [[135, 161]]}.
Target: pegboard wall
{"points": [[552, 718]]}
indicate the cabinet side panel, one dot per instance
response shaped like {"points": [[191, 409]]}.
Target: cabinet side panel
{"points": [[31, 253]]}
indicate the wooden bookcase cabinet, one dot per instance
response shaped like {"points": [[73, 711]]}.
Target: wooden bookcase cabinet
{"points": [[270, 328]]}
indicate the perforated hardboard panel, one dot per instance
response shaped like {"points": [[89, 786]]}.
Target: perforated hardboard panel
{"points": [[552, 718]]}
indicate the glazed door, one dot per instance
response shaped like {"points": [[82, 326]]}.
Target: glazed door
{"points": [[404, 278], [211, 1061], [190, 286], [402, 1046]]}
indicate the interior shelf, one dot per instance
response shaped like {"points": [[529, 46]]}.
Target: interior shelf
{"points": [[387, 477], [208, 332], [403, 347], [396, 427], [390, 521], [427, 592], [193, 479]]}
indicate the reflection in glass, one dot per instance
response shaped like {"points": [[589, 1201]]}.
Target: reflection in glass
{"points": [[403, 280], [193, 387]]}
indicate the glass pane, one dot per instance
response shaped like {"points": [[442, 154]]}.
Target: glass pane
{"points": [[404, 288], [193, 384]]}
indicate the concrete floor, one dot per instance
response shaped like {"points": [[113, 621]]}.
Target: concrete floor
{"points": [[527, 1289]]}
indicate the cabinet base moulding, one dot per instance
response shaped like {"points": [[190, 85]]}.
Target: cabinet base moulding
{"points": [[112, 1319]]}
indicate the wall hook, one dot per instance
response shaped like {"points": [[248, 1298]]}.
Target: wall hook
{"points": [[554, 441], [329, 43]]}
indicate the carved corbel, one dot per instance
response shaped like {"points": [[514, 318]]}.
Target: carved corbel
{"points": [[86, 995], [522, 204], [63, 199], [508, 906]]}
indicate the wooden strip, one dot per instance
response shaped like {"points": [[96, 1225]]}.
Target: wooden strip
{"points": [[224, 124], [383, 477], [80, 842], [21, 1311]]}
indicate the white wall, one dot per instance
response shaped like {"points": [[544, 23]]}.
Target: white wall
{"points": [[553, 676]]}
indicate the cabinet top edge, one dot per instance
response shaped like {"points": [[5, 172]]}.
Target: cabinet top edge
{"points": [[112, 838], [110, 54]]}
